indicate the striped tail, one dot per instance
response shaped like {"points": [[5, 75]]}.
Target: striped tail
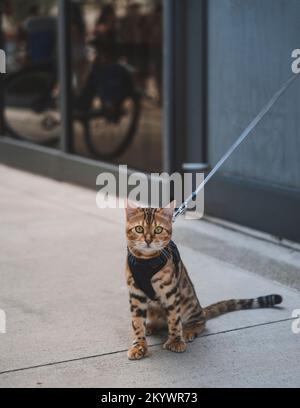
{"points": [[232, 305]]}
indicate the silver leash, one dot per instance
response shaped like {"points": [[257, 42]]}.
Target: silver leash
{"points": [[240, 139]]}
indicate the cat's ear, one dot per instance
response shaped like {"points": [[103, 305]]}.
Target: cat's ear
{"points": [[130, 209], [169, 209]]}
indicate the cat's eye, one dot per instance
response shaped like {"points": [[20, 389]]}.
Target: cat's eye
{"points": [[139, 229], [158, 230]]}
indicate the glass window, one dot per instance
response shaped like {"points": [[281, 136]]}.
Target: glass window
{"points": [[31, 87], [117, 81]]}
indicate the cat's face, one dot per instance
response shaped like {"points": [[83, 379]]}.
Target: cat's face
{"points": [[148, 230]]}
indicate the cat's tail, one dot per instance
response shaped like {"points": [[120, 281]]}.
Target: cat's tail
{"points": [[232, 305]]}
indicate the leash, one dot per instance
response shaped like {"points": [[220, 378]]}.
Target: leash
{"points": [[239, 140]]}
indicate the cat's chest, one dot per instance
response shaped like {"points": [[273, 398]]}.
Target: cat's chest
{"points": [[152, 275], [149, 277]]}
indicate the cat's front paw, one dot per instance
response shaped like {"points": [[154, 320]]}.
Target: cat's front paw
{"points": [[189, 336], [175, 345], [138, 351]]}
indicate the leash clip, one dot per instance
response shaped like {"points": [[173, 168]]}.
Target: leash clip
{"points": [[180, 210]]}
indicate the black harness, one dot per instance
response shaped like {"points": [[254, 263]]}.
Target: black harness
{"points": [[143, 270]]}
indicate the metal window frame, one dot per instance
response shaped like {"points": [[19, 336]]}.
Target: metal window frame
{"points": [[65, 79], [1, 75], [174, 84]]}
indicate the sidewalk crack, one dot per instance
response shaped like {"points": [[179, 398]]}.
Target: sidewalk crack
{"points": [[71, 360]]}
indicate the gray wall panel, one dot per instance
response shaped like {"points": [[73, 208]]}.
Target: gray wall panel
{"points": [[250, 45]]}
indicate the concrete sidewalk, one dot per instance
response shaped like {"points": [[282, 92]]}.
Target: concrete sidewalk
{"points": [[64, 294]]}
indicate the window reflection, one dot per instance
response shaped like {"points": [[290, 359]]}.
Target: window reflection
{"points": [[117, 81], [31, 88], [116, 77]]}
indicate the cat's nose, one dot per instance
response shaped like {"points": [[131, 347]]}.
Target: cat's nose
{"points": [[148, 241]]}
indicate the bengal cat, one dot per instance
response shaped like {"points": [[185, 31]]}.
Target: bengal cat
{"points": [[161, 292]]}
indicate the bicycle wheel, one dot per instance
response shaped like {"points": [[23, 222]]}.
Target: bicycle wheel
{"points": [[109, 131], [29, 108]]}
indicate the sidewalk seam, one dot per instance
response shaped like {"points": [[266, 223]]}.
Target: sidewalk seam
{"points": [[151, 345]]}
